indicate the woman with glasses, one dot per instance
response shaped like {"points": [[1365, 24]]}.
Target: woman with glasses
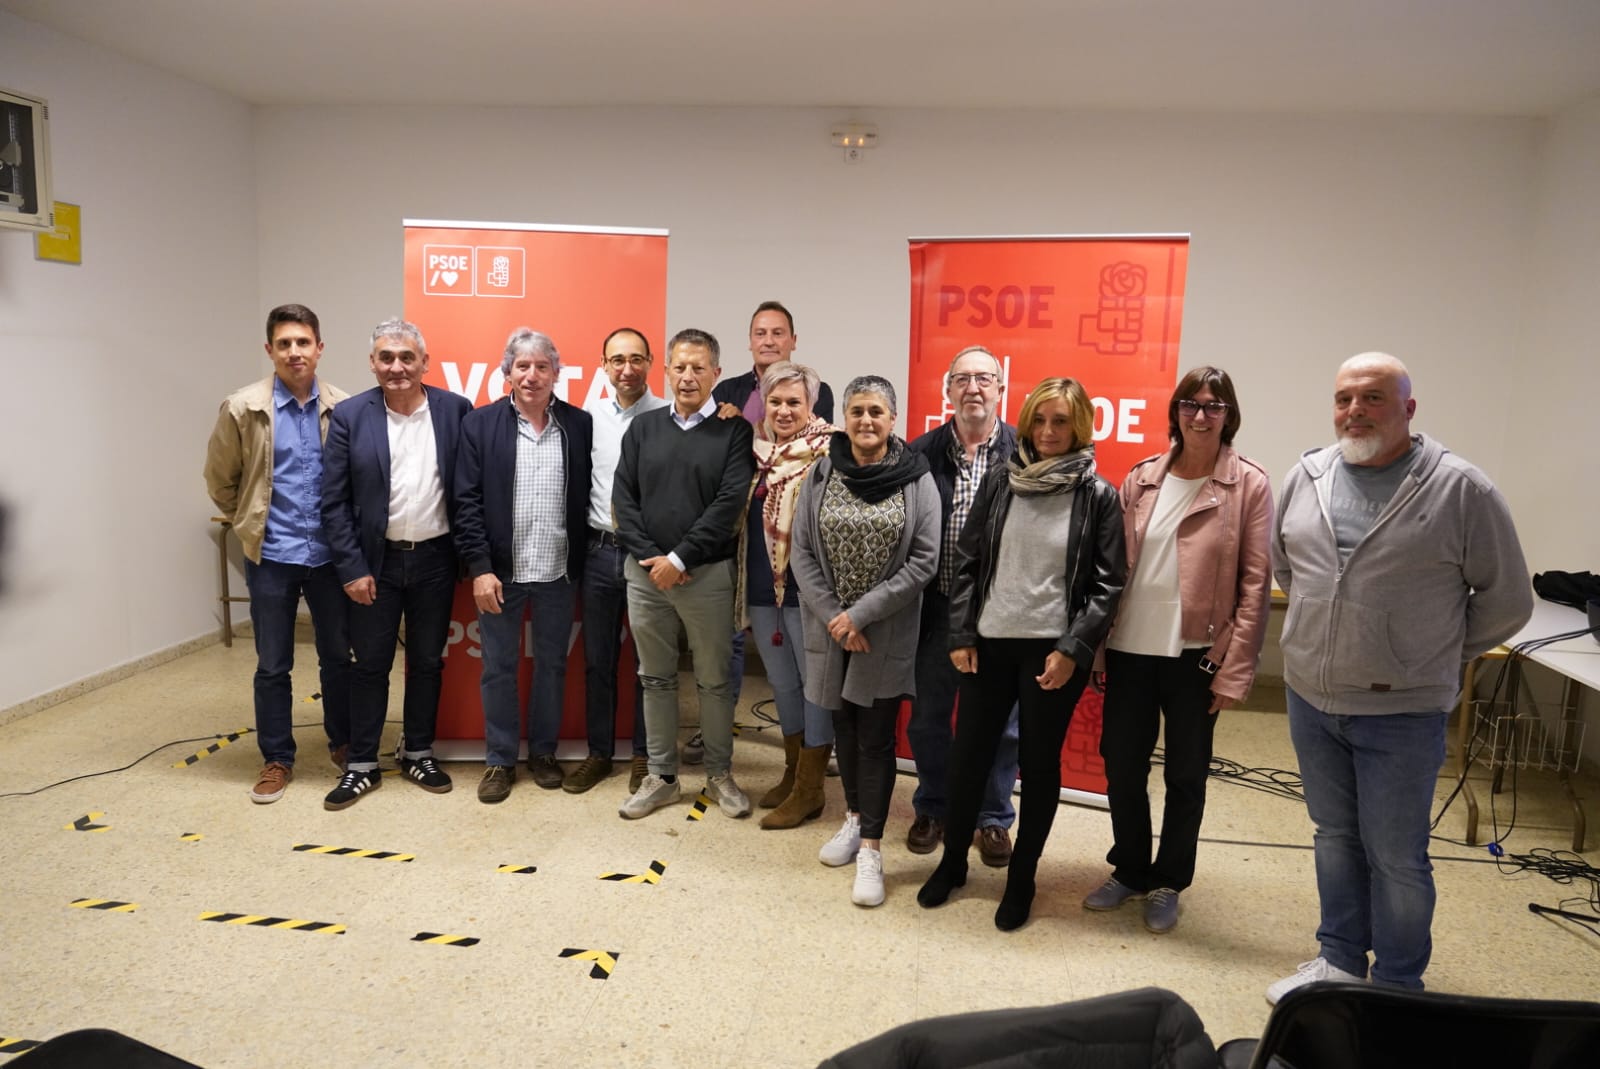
{"points": [[866, 542], [789, 441], [1187, 636], [1039, 571]]}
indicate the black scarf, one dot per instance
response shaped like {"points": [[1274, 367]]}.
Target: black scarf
{"points": [[874, 482]]}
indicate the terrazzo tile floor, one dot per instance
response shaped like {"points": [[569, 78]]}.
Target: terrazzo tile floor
{"points": [[747, 952]]}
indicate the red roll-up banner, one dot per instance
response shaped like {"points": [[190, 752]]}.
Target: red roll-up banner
{"points": [[1105, 310], [468, 286]]}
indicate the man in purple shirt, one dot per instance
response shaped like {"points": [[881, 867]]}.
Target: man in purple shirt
{"points": [[264, 473]]}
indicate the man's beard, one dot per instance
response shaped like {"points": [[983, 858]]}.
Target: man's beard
{"points": [[1360, 450]]}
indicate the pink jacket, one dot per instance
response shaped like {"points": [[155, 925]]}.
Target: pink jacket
{"points": [[1224, 560]]}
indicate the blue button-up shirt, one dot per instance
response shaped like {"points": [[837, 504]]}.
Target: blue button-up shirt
{"points": [[294, 516]]}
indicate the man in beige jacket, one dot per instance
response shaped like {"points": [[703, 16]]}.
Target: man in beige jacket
{"points": [[264, 473]]}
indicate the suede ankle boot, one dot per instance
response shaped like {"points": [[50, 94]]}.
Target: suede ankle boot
{"points": [[951, 873], [791, 755], [808, 798]]}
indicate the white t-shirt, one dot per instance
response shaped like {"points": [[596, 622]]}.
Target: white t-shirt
{"points": [[1150, 616]]}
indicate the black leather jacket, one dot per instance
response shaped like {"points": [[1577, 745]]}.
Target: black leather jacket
{"points": [[1096, 564]]}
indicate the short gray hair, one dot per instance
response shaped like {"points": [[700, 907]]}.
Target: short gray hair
{"points": [[872, 384], [398, 328], [787, 371], [969, 351], [527, 340]]}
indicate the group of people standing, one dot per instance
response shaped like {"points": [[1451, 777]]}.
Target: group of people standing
{"points": [[981, 561]]}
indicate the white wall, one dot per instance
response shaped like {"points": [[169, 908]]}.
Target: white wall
{"points": [[1553, 377], [114, 369], [1314, 237]]}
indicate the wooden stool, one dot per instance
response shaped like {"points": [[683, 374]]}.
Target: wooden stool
{"points": [[224, 596]]}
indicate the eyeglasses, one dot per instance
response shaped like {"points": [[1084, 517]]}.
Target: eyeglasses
{"points": [[1214, 409], [629, 361], [982, 379]]}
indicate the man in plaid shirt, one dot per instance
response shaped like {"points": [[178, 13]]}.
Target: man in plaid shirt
{"points": [[960, 452], [522, 480]]}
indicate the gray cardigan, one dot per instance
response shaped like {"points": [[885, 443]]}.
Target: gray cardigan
{"points": [[889, 614], [1439, 580]]}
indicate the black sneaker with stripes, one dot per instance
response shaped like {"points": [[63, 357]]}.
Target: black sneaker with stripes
{"points": [[352, 785], [426, 773]]}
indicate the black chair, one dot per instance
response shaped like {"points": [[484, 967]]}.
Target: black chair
{"points": [[1130, 1030], [97, 1048], [1344, 1025]]}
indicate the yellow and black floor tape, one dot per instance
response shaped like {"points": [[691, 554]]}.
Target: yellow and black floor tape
{"points": [[191, 837], [604, 960], [351, 851], [258, 921], [87, 823], [13, 1045], [446, 940], [222, 740], [526, 870], [702, 802], [652, 875], [104, 903]]}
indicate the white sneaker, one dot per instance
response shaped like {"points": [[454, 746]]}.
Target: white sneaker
{"points": [[729, 798], [868, 890], [1309, 972], [652, 794], [841, 849]]}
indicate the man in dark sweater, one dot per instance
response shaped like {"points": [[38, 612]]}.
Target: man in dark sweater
{"points": [[772, 338], [679, 499]]}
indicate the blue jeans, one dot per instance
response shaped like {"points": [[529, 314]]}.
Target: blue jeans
{"points": [[275, 592], [605, 601], [1369, 784], [417, 584], [929, 730], [500, 635], [786, 666], [701, 609]]}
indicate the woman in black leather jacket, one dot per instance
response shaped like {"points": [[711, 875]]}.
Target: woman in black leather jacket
{"points": [[1041, 567]]}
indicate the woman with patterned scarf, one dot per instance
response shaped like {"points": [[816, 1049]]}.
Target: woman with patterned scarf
{"points": [[787, 444], [1039, 573], [866, 542]]}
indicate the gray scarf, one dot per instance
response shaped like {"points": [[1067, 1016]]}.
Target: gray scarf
{"points": [[1031, 475]]}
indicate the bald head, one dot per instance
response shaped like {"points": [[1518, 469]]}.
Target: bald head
{"points": [[1372, 409], [1381, 364]]}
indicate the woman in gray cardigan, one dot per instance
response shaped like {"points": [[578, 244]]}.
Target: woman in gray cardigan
{"points": [[865, 544]]}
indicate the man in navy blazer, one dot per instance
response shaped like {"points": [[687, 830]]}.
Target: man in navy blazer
{"points": [[388, 508], [522, 486]]}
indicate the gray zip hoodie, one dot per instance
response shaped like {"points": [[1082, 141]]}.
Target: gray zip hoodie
{"points": [[1438, 580]]}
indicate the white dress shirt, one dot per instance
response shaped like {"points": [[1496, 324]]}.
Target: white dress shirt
{"points": [[416, 494]]}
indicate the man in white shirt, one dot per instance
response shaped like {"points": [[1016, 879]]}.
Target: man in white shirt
{"points": [[626, 360], [388, 508]]}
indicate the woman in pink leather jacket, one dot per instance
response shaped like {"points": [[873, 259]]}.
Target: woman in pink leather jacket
{"points": [[1187, 636]]}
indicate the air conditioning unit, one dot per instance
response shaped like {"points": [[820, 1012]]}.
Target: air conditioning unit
{"points": [[25, 201]]}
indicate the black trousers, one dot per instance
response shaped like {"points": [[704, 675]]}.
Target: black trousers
{"points": [[1005, 677], [864, 741], [1139, 691]]}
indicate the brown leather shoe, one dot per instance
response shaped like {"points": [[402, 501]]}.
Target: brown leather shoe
{"points": [[590, 770], [638, 769], [994, 846], [545, 771], [926, 833], [272, 782], [339, 755]]}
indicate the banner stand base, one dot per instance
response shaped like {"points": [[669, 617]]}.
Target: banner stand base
{"points": [[1068, 794]]}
